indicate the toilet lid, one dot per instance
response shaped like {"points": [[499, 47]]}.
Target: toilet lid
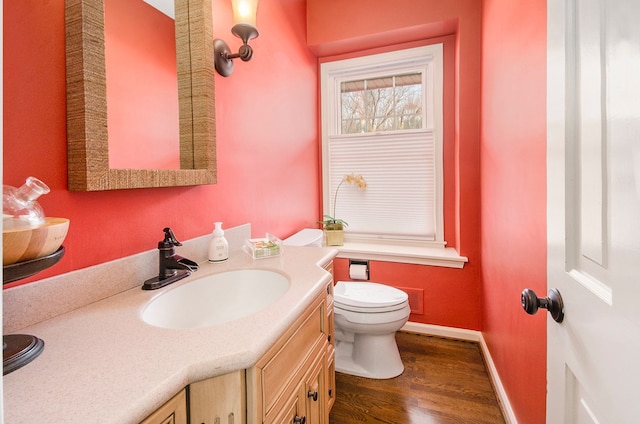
{"points": [[367, 295], [305, 237]]}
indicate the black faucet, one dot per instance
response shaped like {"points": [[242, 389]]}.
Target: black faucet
{"points": [[171, 267]]}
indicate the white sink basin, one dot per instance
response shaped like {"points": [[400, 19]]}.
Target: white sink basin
{"points": [[216, 299]]}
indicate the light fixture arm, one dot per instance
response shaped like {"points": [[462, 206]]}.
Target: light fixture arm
{"points": [[222, 54], [245, 52]]}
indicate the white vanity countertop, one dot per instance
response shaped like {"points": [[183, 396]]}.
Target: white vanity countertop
{"points": [[102, 364]]}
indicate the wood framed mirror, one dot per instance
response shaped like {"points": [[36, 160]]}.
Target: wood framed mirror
{"points": [[87, 135]]}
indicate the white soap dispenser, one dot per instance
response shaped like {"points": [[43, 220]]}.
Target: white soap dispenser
{"points": [[218, 247]]}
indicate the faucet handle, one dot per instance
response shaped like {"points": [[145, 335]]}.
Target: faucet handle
{"points": [[169, 238]]}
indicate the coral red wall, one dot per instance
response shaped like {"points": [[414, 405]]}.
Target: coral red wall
{"points": [[267, 126], [337, 29], [513, 152], [267, 142]]}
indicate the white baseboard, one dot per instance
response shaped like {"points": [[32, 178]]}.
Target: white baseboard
{"points": [[438, 330], [474, 336]]}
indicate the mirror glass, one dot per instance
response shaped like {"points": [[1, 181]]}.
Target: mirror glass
{"points": [[171, 121], [142, 84]]}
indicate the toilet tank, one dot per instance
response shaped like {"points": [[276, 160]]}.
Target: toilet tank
{"points": [[305, 237]]}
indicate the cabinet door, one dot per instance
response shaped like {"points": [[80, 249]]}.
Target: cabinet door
{"points": [[330, 380], [314, 392], [172, 412], [218, 400], [281, 366], [291, 413]]}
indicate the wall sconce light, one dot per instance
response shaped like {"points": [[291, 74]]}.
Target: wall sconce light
{"points": [[244, 18]]}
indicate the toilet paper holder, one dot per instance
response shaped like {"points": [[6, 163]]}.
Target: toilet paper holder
{"points": [[359, 264]]}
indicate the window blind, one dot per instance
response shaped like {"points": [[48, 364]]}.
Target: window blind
{"points": [[399, 201]]}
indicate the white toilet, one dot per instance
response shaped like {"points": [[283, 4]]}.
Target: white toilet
{"points": [[367, 316]]}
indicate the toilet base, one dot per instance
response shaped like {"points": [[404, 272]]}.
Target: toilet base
{"points": [[370, 356]]}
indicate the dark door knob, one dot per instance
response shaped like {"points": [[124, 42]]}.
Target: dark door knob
{"points": [[553, 303]]}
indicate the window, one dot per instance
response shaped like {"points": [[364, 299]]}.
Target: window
{"points": [[387, 103], [382, 118]]}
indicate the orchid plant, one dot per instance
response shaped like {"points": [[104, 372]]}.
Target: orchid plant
{"points": [[332, 223]]}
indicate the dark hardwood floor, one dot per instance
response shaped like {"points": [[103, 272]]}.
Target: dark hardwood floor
{"points": [[445, 381]]}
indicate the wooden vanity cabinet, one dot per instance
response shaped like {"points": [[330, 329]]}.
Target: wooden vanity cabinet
{"points": [[277, 383], [294, 382]]}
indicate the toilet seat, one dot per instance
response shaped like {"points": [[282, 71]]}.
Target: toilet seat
{"points": [[368, 297]]}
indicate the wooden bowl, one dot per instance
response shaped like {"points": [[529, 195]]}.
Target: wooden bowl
{"points": [[20, 245]]}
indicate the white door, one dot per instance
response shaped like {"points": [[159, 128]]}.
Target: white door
{"points": [[593, 171]]}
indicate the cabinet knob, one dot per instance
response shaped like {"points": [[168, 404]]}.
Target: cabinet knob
{"points": [[313, 395], [300, 420]]}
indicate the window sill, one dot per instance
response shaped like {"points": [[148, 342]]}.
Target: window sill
{"points": [[434, 256]]}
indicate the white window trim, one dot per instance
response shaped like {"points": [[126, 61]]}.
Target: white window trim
{"points": [[418, 252], [406, 254]]}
